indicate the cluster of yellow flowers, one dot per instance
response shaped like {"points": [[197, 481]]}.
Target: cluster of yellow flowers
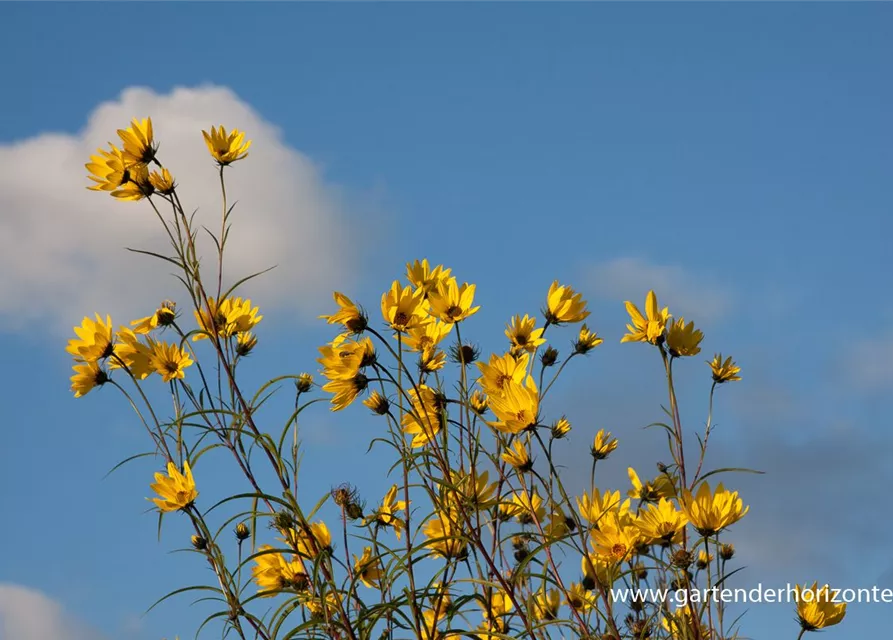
{"points": [[489, 507], [125, 171], [97, 343]]}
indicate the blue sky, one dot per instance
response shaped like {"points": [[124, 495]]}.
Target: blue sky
{"points": [[735, 157]]}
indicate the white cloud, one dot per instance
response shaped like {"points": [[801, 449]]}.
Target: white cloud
{"points": [[26, 614], [869, 363], [62, 247], [684, 292]]}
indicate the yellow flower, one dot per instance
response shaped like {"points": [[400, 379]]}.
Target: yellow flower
{"points": [[304, 383], [517, 456], [367, 568], [177, 490], [651, 491], [348, 314], [479, 402], [499, 604], [661, 522], [273, 572], [517, 409], [683, 339], [710, 513], [444, 536], [502, 370], [473, 490], [560, 524], [131, 353], [345, 390], [526, 506], [169, 361], [107, 170], [429, 622], [427, 335], [87, 376], [816, 607], [309, 541], [423, 277], [522, 335], [378, 403], [580, 598], [424, 421], [94, 340], [245, 343], [602, 445], [587, 340], [724, 370], [647, 328], [615, 540], [324, 609], [600, 570], [431, 360], [679, 624], [163, 317], [452, 303], [546, 604], [563, 304], [226, 318], [594, 507], [342, 359], [162, 182], [704, 559], [137, 186], [561, 427], [386, 516], [402, 307], [225, 147], [138, 141]]}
